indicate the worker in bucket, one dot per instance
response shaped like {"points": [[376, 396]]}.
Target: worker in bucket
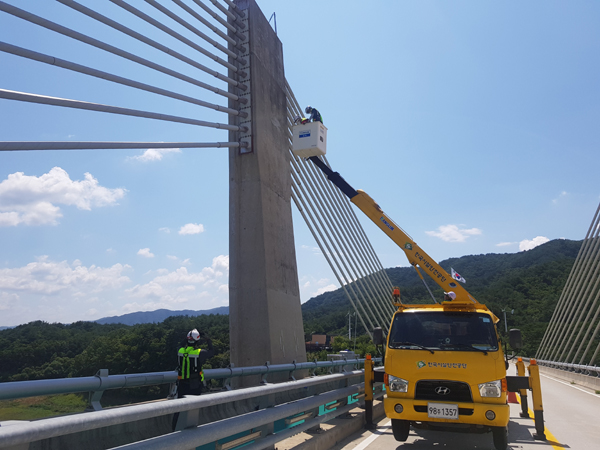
{"points": [[190, 357], [315, 116]]}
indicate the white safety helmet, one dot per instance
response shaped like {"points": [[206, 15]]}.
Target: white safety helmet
{"points": [[450, 294], [193, 336], [308, 109]]}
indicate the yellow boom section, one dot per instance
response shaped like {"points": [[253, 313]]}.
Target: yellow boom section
{"points": [[415, 254]]}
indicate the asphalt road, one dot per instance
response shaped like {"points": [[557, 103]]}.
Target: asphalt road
{"points": [[571, 415]]}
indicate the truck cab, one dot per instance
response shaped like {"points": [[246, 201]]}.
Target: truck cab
{"points": [[445, 369]]}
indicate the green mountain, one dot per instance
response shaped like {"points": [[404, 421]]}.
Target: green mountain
{"points": [[530, 282]]}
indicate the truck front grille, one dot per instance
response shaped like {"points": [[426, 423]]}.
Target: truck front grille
{"points": [[443, 390]]}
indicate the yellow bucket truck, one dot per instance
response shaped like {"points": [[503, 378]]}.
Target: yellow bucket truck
{"points": [[444, 364]]}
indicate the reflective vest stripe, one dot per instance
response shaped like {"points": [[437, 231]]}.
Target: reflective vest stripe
{"points": [[185, 353]]}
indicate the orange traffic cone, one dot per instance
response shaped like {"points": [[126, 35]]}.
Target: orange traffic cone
{"points": [[512, 397]]}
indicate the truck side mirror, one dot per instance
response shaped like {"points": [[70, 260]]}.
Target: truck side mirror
{"points": [[514, 338], [378, 336]]}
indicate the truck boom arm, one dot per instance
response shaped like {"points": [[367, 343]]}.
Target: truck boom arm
{"points": [[417, 257]]}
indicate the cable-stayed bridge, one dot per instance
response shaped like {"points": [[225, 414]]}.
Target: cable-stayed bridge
{"points": [[213, 67]]}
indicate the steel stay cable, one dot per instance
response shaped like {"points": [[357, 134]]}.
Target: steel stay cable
{"points": [[557, 318], [593, 358], [359, 227], [169, 31], [42, 99], [207, 24], [352, 260], [572, 302], [194, 30], [226, 12], [347, 255], [219, 19], [336, 255], [326, 214], [140, 37], [589, 328], [549, 336], [325, 253], [330, 188], [351, 238], [337, 251], [578, 306], [368, 251], [295, 181], [587, 294], [22, 14], [69, 65], [366, 273], [322, 178], [101, 145]]}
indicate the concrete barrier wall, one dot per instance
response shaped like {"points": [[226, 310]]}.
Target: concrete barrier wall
{"points": [[581, 379]]}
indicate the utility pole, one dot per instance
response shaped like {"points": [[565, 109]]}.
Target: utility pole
{"points": [[349, 327], [355, 318], [504, 310]]}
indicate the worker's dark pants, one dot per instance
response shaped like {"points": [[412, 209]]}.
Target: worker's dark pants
{"points": [[186, 387]]}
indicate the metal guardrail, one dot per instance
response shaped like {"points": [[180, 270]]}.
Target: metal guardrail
{"points": [[192, 436], [102, 381], [579, 368]]}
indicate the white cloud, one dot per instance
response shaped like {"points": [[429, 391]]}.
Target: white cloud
{"points": [[505, 244], [452, 233], [164, 230], [181, 262], [329, 287], [529, 244], [31, 200], [154, 154], [192, 228], [182, 286], [561, 196], [145, 252]]}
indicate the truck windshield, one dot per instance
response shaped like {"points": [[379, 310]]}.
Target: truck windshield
{"points": [[454, 331]]}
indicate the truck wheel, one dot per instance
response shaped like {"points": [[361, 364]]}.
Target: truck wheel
{"points": [[500, 435], [401, 428]]}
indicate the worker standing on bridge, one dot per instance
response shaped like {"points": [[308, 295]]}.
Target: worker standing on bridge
{"points": [[315, 115], [190, 357]]}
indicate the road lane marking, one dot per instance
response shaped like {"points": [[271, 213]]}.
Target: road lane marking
{"points": [[570, 385], [550, 439], [364, 444]]}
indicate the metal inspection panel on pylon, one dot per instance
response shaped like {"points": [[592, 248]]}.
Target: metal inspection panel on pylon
{"points": [[310, 139]]}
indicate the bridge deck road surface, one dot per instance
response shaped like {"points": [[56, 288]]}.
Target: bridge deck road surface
{"points": [[571, 416]]}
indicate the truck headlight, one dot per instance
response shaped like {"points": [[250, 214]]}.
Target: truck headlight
{"points": [[491, 389], [397, 384]]}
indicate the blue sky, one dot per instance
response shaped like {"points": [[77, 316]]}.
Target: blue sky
{"points": [[473, 124]]}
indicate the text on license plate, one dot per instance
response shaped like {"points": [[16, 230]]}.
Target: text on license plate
{"points": [[442, 411]]}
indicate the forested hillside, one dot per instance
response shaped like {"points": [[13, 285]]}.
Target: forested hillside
{"points": [[41, 350], [528, 282]]}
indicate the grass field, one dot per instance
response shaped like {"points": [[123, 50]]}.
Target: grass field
{"points": [[39, 407]]}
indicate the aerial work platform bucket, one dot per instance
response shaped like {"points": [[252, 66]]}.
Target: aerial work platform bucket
{"points": [[309, 140]]}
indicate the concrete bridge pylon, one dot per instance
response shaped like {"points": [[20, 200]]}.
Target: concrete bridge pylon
{"points": [[265, 316]]}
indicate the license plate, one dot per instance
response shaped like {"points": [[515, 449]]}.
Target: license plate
{"points": [[442, 411]]}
